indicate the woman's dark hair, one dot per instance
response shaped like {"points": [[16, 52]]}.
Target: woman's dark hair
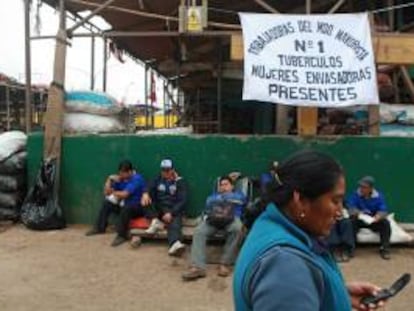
{"points": [[222, 178], [125, 166], [310, 173]]}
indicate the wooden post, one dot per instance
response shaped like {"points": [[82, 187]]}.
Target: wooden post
{"points": [[28, 65], [307, 117], [105, 64], [92, 63], [219, 88], [307, 121], [373, 110], [8, 107]]}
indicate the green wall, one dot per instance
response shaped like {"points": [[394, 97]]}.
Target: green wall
{"points": [[87, 160]]}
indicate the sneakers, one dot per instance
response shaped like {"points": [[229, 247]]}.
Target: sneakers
{"points": [[156, 225], [223, 271], [385, 253], [193, 274], [118, 241], [177, 249], [93, 231], [136, 242]]}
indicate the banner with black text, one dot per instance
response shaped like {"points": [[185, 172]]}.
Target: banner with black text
{"points": [[309, 60]]}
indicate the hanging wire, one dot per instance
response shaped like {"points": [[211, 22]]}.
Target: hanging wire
{"points": [[222, 11], [394, 7], [381, 10]]}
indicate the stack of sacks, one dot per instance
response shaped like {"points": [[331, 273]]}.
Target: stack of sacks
{"points": [[91, 112], [12, 174]]}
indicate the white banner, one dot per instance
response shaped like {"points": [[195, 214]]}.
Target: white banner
{"points": [[309, 60]]}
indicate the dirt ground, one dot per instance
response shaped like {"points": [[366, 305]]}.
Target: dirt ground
{"points": [[64, 270]]}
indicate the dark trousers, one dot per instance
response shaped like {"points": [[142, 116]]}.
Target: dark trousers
{"points": [[342, 235], [126, 214], [174, 229], [382, 226]]}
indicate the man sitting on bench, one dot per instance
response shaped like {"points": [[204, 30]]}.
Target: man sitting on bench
{"points": [[368, 210], [125, 194], [222, 213], [168, 193]]}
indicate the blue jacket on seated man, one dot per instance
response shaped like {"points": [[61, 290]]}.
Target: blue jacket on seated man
{"points": [[366, 200], [236, 197], [206, 228]]}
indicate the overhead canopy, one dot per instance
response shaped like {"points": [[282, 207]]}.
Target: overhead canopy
{"points": [[153, 36], [160, 15]]}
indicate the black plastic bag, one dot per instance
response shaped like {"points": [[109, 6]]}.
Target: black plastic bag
{"points": [[40, 210], [14, 164]]}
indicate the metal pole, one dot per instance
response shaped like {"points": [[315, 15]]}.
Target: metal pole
{"points": [[336, 6], [152, 101], [28, 66], [266, 6], [8, 107], [105, 65], [146, 95], [308, 6], [92, 63], [164, 103], [391, 15], [219, 89]]}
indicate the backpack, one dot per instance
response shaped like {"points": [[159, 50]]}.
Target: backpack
{"points": [[221, 214]]}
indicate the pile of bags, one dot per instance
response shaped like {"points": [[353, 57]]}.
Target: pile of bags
{"points": [[12, 174], [91, 112], [400, 114]]}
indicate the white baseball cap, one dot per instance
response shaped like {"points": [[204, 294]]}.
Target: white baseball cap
{"points": [[167, 164]]}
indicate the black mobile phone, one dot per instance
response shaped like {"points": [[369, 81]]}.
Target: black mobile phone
{"points": [[387, 293]]}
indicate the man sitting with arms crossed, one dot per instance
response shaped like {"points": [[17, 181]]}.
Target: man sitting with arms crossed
{"points": [[124, 194]]}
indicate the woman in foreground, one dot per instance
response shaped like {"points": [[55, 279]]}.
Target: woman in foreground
{"points": [[284, 264]]}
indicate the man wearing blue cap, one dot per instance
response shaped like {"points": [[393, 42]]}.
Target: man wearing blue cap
{"points": [[369, 210], [168, 194]]}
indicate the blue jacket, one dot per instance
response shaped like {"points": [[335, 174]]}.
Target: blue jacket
{"points": [[231, 196], [280, 268], [135, 186], [371, 206]]}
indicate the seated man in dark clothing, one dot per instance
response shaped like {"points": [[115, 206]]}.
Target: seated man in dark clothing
{"points": [[168, 194], [342, 240], [368, 210], [123, 195], [268, 177]]}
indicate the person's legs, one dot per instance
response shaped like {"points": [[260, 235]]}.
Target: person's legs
{"points": [[174, 230], [233, 234], [346, 235], [357, 224], [383, 227], [102, 221], [126, 215], [334, 242], [198, 252], [333, 239], [198, 248], [155, 214]]}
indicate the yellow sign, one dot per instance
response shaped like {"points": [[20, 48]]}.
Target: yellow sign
{"points": [[194, 22]]}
